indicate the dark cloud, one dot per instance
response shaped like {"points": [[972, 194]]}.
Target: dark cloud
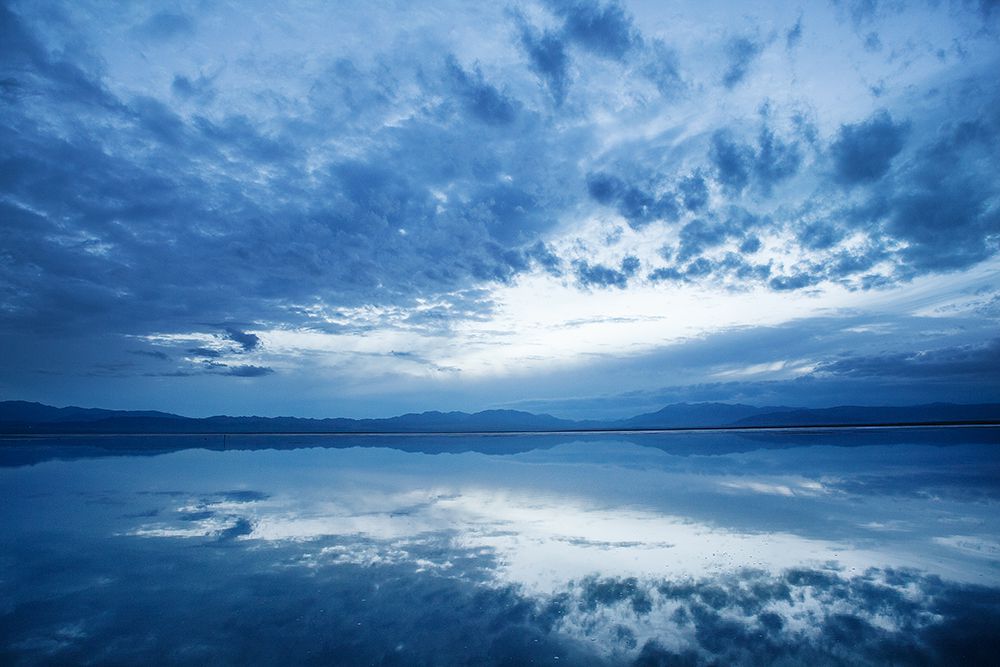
{"points": [[794, 281], [978, 362], [243, 371], [942, 205], [863, 152], [154, 354], [666, 273], [693, 191], [480, 99], [931, 213], [242, 496], [244, 339], [737, 164], [604, 188], [705, 234], [546, 258], [260, 249], [548, 59], [241, 528], [599, 275], [700, 235], [740, 52], [775, 160], [987, 7], [201, 88], [794, 34], [28, 68], [820, 235], [605, 30], [733, 160], [637, 205], [750, 245], [206, 352]]}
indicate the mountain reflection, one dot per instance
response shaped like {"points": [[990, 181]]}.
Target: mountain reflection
{"points": [[592, 551]]}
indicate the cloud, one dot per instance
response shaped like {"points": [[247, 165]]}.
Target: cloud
{"points": [[750, 245], [154, 354], [944, 207], [480, 99], [737, 164], [547, 56], [751, 616], [693, 191], [794, 34], [699, 235], [243, 371], [661, 64], [307, 181], [200, 89], [605, 30], [741, 52], [876, 615], [987, 7], [733, 161], [775, 160], [327, 242], [979, 362], [242, 496], [206, 352], [29, 68], [599, 275], [546, 258], [244, 339], [794, 281], [638, 206], [241, 528], [793, 364], [863, 152]]}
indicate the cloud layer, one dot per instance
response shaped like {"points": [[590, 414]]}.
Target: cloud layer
{"points": [[159, 180]]}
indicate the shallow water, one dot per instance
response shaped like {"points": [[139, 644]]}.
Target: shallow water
{"points": [[819, 546]]}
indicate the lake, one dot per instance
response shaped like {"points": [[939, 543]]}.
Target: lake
{"points": [[839, 546]]}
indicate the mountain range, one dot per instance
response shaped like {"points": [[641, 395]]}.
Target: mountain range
{"points": [[23, 417]]}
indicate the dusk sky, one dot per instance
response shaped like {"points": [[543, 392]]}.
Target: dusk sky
{"points": [[589, 209]]}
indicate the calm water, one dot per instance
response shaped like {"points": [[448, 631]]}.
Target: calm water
{"points": [[843, 547]]}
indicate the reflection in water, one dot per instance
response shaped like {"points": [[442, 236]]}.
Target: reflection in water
{"points": [[868, 546]]}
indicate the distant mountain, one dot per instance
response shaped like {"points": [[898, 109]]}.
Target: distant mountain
{"points": [[25, 417], [856, 414], [693, 415], [39, 413]]}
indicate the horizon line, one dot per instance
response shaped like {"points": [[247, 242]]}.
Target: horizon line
{"points": [[988, 423]]}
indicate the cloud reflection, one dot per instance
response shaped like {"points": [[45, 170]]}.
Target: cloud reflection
{"points": [[590, 552]]}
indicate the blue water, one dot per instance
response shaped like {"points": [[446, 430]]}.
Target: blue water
{"points": [[807, 547]]}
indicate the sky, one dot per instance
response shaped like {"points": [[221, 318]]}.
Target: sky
{"points": [[589, 208]]}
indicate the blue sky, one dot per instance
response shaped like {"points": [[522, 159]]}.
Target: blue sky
{"points": [[583, 208]]}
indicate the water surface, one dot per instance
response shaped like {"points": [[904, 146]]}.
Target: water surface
{"points": [[818, 546]]}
